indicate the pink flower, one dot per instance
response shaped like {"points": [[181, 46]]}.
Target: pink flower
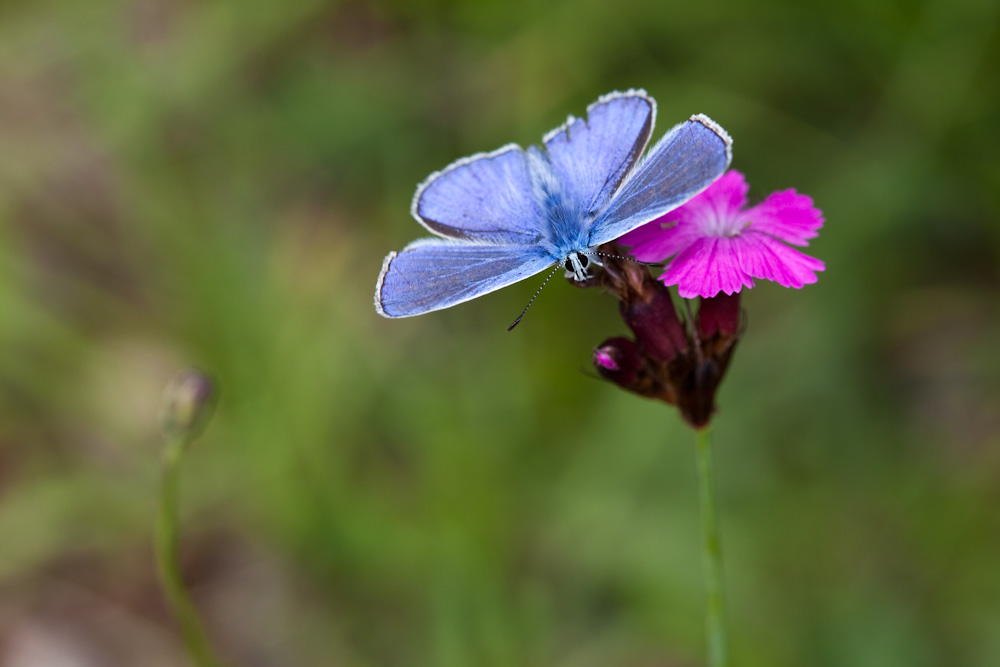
{"points": [[719, 246]]}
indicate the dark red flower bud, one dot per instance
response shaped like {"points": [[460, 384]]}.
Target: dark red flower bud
{"points": [[618, 360], [653, 320], [719, 315]]}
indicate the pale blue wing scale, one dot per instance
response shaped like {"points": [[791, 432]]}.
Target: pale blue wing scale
{"points": [[431, 274], [591, 157], [487, 198], [681, 164]]}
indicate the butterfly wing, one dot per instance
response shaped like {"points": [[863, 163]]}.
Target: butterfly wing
{"points": [[591, 157], [489, 210], [487, 198], [681, 164], [431, 274]]}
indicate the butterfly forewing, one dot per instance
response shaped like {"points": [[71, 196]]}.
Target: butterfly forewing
{"points": [[486, 197], [683, 163], [591, 157]]}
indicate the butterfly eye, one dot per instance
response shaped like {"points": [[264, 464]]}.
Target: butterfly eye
{"points": [[581, 261]]}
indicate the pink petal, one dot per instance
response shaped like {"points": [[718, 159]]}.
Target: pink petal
{"points": [[675, 231], [724, 198], [658, 240], [786, 215], [763, 256], [706, 267]]}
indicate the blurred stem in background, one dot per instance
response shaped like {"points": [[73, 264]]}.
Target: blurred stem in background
{"points": [[186, 407], [715, 618]]}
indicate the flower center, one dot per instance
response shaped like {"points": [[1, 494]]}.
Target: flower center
{"points": [[722, 224], [733, 233]]}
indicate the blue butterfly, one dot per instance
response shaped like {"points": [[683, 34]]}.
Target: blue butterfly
{"points": [[507, 215]]}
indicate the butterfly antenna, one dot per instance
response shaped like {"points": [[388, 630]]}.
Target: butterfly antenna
{"points": [[623, 257], [534, 296]]}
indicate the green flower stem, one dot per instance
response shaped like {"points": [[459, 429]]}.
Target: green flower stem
{"points": [[195, 639], [715, 619]]}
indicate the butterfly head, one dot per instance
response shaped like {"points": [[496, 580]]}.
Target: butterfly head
{"points": [[576, 264]]}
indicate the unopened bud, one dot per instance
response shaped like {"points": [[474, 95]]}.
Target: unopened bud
{"points": [[618, 360], [187, 403], [655, 324], [719, 315]]}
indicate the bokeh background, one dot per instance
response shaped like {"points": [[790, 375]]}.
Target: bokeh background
{"points": [[216, 184]]}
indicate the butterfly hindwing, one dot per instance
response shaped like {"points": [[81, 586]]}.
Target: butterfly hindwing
{"points": [[431, 274]]}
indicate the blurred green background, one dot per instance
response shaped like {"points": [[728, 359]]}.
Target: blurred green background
{"points": [[216, 184]]}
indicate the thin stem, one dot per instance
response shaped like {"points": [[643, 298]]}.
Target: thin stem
{"points": [[195, 639], [715, 619]]}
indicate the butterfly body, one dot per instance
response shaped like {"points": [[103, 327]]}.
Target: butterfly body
{"points": [[507, 215], [565, 229]]}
